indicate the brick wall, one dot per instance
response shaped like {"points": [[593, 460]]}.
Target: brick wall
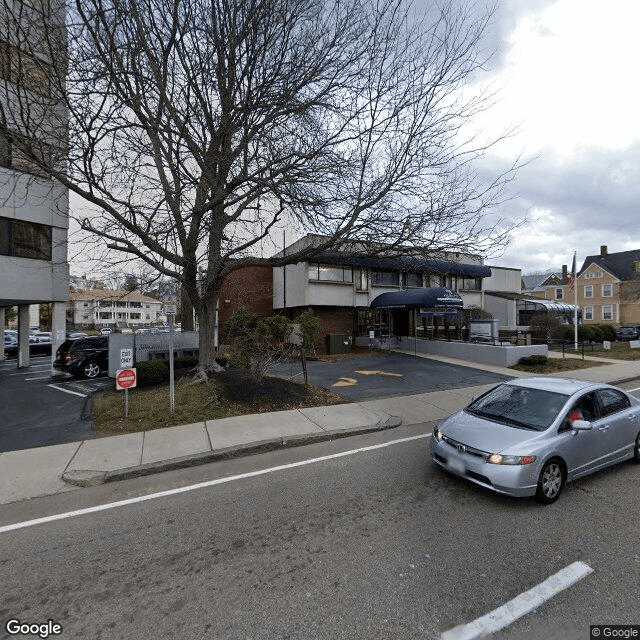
{"points": [[336, 320], [251, 288]]}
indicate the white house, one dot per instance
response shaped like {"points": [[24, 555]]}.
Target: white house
{"points": [[99, 308]]}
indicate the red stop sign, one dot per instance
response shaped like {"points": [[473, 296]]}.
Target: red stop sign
{"points": [[126, 378]]}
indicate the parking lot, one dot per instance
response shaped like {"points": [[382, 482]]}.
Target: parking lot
{"points": [[39, 409]]}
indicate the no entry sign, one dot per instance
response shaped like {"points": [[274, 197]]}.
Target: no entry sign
{"points": [[126, 378]]}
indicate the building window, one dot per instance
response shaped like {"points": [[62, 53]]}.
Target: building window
{"points": [[588, 313], [588, 291], [22, 239], [135, 316], [413, 280], [362, 282], [607, 312], [329, 273], [607, 290], [593, 274], [559, 294], [472, 284], [386, 278]]}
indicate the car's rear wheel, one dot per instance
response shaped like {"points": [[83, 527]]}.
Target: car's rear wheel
{"points": [[636, 449], [91, 369], [551, 481]]}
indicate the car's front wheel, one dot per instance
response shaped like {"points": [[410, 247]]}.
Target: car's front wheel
{"points": [[551, 482], [636, 449], [91, 369]]}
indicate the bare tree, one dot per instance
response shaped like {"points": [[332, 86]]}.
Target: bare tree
{"points": [[196, 127]]}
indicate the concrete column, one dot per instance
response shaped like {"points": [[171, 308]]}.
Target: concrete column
{"points": [[23, 336], [2, 320], [58, 328]]}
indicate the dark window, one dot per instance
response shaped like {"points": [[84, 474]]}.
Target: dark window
{"points": [[386, 278], [612, 401], [330, 273], [413, 280], [472, 284], [23, 239]]}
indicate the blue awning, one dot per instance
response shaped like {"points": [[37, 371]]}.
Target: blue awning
{"points": [[427, 299]]}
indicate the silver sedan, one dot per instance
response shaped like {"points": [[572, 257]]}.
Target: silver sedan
{"points": [[528, 437]]}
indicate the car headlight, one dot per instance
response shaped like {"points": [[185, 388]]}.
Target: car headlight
{"points": [[497, 458], [437, 434]]}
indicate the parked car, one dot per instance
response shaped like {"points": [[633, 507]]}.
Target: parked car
{"points": [[627, 333], [74, 335], [528, 437], [37, 346], [84, 357], [105, 331], [10, 346], [40, 345]]}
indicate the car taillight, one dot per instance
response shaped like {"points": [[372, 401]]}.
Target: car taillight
{"points": [[69, 357]]}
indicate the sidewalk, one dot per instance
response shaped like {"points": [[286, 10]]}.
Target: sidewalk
{"points": [[45, 471]]}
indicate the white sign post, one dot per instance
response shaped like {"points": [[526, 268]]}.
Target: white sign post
{"points": [[171, 311]]}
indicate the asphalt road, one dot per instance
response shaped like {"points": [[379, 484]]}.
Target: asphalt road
{"points": [[385, 375], [300, 544]]}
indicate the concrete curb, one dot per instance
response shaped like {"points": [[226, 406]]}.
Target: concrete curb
{"points": [[89, 478]]}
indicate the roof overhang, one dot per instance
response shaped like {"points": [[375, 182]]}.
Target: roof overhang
{"points": [[406, 263]]}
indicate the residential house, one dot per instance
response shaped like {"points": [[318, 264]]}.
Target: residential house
{"points": [[98, 308], [607, 288]]}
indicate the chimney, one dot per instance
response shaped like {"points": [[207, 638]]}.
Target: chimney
{"points": [[603, 250], [564, 273]]}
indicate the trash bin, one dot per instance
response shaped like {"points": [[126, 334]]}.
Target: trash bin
{"points": [[336, 343]]}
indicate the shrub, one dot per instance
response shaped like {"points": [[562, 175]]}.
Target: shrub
{"points": [[533, 361], [608, 332], [186, 362], [152, 372], [239, 360]]}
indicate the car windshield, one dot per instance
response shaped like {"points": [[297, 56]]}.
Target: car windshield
{"points": [[520, 407]]}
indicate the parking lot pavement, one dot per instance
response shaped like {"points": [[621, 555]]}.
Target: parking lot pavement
{"points": [[38, 409], [385, 375]]}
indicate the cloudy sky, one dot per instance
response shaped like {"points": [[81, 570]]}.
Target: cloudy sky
{"points": [[567, 77]]}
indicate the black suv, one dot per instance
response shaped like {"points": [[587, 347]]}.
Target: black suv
{"points": [[86, 357]]}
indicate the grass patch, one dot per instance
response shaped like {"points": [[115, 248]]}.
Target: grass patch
{"points": [[618, 351], [231, 393], [556, 365]]}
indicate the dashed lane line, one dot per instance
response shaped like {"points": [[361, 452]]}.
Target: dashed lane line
{"points": [[521, 605]]}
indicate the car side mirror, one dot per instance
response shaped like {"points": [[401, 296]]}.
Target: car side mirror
{"points": [[582, 425]]}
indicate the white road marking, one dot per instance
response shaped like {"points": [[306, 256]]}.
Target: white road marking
{"points": [[41, 378], [632, 390], [200, 485], [520, 605], [75, 393]]}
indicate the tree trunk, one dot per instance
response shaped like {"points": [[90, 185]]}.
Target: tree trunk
{"points": [[207, 322], [186, 310]]}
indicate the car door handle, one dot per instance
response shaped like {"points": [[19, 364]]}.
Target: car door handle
{"points": [[632, 418], [604, 427]]}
